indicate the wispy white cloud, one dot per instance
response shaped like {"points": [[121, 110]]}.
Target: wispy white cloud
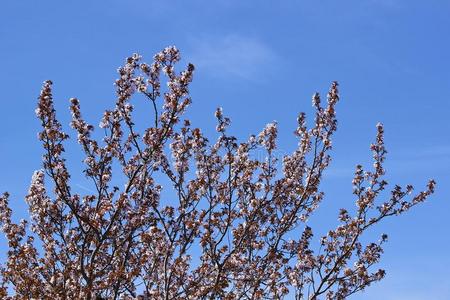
{"points": [[402, 160], [388, 4], [232, 55], [408, 285], [339, 172], [80, 186], [434, 151], [418, 159]]}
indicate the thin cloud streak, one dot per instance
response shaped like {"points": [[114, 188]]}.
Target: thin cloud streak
{"points": [[232, 55], [388, 4]]}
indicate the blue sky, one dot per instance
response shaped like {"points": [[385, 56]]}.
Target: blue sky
{"points": [[261, 61]]}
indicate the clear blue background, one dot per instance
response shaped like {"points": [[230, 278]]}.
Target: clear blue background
{"points": [[261, 61]]}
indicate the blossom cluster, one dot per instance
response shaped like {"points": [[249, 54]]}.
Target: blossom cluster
{"points": [[194, 219]]}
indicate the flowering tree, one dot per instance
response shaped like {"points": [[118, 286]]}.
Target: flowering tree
{"points": [[232, 226]]}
